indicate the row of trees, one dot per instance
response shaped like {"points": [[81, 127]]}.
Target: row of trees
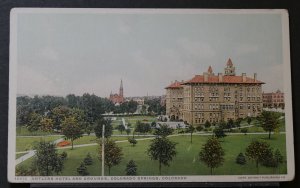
{"points": [[212, 154], [88, 107], [155, 107], [269, 121]]}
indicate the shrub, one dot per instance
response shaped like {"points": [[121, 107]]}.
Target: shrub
{"points": [[132, 141], [88, 159], [244, 130], [63, 155], [131, 168], [199, 128], [207, 124], [82, 170], [240, 159]]}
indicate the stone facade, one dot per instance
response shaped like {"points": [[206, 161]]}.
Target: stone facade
{"points": [[215, 98], [174, 101], [273, 100]]}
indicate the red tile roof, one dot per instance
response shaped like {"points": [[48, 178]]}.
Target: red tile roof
{"points": [[175, 85], [226, 79]]}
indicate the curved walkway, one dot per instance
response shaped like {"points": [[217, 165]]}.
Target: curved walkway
{"points": [[31, 153]]}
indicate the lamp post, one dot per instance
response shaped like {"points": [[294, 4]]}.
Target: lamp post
{"points": [[103, 130]]}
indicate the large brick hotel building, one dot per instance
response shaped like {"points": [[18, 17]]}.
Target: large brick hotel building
{"points": [[214, 98]]}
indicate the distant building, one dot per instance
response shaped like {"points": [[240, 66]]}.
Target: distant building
{"points": [[139, 100], [117, 98], [273, 100], [214, 98]]}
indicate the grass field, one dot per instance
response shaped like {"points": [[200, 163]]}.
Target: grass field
{"points": [[27, 143], [94, 139], [186, 161], [23, 131], [258, 128]]}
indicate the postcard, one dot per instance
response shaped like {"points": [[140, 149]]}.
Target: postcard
{"points": [[149, 95]]}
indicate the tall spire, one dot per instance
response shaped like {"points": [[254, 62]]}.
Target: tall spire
{"points": [[229, 63], [229, 69], [121, 89], [209, 69]]}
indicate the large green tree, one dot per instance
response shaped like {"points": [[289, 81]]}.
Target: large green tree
{"points": [[269, 121], [107, 128], [34, 123], [58, 115], [258, 151], [219, 132], [112, 154], [71, 129], [162, 150], [212, 154], [46, 124], [47, 159]]}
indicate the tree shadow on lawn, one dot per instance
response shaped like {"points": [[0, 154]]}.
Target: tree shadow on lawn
{"points": [[267, 138]]}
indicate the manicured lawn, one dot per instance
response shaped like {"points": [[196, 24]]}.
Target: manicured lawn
{"points": [[258, 128], [93, 139], [27, 143], [85, 140], [186, 161], [23, 131]]}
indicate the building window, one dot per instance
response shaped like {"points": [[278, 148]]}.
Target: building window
{"points": [[241, 106]]}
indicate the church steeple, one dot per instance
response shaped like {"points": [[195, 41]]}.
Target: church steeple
{"points": [[121, 89], [229, 69]]}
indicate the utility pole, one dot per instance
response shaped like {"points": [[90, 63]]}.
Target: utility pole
{"points": [[103, 130]]}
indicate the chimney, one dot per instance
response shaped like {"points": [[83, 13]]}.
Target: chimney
{"points": [[244, 77], [205, 75], [220, 75], [255, 77]]}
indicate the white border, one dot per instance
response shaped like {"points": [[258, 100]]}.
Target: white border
{"points": [[88, 179]]}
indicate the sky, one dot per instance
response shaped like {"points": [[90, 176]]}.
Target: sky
{"points": [[60, 54]]}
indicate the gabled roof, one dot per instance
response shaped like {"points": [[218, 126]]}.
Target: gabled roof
{"points": [[225, 79], [175, 85]]}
